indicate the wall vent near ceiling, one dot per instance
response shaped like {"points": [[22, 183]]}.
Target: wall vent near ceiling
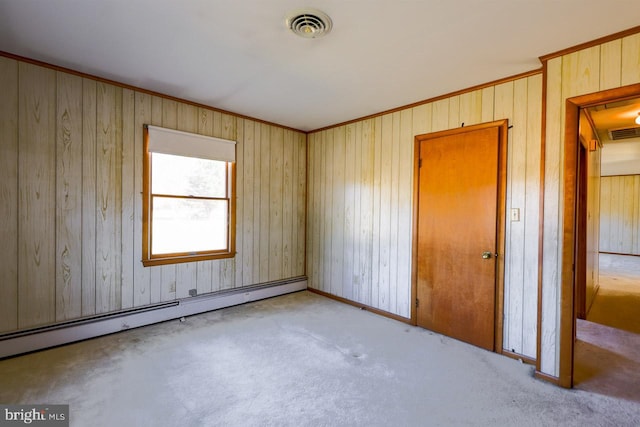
{"points": [[624, 133], [309, 23]]}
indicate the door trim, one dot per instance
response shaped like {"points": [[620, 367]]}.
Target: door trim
{"points": [[568, 200], [502, 126]]}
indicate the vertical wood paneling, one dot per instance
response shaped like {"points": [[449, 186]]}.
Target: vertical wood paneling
{"points": [[516, 175], [636, 218], [241, 200], [36, 205], [552, 218], [257, 192], [531, 217], [373, 187], [605, 214], [627, 226], [581, 72], [386, 163], [454, 113], [421, 122], [630, 72], [405, 205], [68, 280], [367, 211], [248, 183], [635, 249], [338, 213], [312, 203], [488, 94], [351, 209], [72, 153], [9, 194], [275, 182], [328, 175], [471, 108], [394, 205], [265, 205], [128, 197], [288, 195], [359, 287], [440, 115], [300, 204], [109, 198], [377, 209], [142, 276], [89, 195], [619, 216], [314, 188], [611, 64]]}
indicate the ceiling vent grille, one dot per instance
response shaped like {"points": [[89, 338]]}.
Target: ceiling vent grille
{"points": [[624, 133], [309, 23]]}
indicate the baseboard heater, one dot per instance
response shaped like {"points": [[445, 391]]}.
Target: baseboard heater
{"points": [[15, 343]]}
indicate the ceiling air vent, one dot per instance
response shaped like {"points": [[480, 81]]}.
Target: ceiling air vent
{"points": [[624, 133], [309, 23]]}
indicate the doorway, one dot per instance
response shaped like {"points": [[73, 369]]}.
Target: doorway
{"points": [[459, 189], [573, 296]]}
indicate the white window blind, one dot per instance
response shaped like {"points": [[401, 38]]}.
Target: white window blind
{"points": [[177, 143]]}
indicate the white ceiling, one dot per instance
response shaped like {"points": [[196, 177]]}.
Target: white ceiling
{"points": [[237, 55], [620, 157]]}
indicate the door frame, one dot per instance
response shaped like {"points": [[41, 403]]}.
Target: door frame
{"points": [[569, 195], [503, 126]]}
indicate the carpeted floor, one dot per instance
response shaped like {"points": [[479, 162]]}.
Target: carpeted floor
{"points": [[607, 352], [617, 303], [296, 360]]}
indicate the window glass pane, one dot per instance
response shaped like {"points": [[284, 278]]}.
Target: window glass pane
{"points": [[188, 225], [187, 176]]}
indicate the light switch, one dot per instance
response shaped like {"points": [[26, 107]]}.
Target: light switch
{"points": [[515, 214]]}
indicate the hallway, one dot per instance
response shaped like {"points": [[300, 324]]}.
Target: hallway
{"points": [[607, 353]]}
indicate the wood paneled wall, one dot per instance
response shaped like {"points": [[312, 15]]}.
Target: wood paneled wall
{"points": [[71, 203], [605, 66], [620, 214], [360, 202]]}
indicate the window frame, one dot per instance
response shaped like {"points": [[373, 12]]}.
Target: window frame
{"points": [[148, 259]]}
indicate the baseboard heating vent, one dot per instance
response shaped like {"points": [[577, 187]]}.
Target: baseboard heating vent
{"points": [[25, 341]]}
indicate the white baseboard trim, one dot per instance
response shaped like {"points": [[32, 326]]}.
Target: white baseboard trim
{"points": [[37, 339]]}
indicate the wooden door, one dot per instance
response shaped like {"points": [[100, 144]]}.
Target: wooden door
{"points": [[457, 224]]}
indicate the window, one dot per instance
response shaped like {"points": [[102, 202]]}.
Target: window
{"points": [[188, 197]]}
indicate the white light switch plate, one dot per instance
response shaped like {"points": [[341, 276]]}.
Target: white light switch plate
{"points": [[515, 214]]}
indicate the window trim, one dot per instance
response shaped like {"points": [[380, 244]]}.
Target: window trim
{"points": [[148, 259]]}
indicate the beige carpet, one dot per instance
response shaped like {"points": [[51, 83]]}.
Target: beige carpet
{"points": [[617, 303], [607, 352], [296, 360]]}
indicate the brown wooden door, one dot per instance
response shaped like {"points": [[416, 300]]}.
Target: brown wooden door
{"points": [[457, 223]]}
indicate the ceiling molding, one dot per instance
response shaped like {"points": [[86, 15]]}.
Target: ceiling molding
{"points": [[592, 43], [434, 99], [141, 90]]}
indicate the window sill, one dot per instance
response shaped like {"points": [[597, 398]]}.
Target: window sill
{"points": [[186, 258]]}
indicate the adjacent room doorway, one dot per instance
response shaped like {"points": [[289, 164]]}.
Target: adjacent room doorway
{"points": [[460, 190], [572, 232]]}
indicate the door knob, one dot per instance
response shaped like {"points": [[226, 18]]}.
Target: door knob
{"points": [[486, 255]]}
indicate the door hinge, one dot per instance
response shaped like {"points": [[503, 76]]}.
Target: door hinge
{"points": [[417, 302]]}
